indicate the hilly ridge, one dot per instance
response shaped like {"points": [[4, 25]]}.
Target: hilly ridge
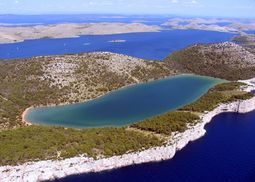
{"points": [[225, 60]]}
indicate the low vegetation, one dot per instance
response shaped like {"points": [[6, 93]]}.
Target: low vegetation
{"points": [[167, 123], [177, 121], [36, 143], [226, 92]]}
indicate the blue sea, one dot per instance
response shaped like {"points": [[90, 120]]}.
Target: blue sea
{"points": [[225, 154], [152, 46]]}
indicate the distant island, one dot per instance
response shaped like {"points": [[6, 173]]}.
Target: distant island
{"points": [[12, 34], [117, 41], [211, 24]]}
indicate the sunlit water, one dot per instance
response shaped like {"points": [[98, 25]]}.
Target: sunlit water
{"points": [[127, 105]]}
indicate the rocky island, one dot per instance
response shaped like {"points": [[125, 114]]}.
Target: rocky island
{"points": [[211, 24], [10, 34], [57, 152], [14, 34]]}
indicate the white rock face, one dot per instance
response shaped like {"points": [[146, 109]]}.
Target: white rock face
{"points": [[250, 85], [48, 170]]}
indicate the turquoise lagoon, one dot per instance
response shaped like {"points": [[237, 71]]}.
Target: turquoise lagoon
{"points": [[127, 105]]}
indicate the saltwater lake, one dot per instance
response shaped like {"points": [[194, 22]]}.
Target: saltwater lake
{"points": [[127, 105], [225, 154], [153, 46]]}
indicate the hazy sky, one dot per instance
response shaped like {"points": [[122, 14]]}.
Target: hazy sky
{"points": [[230, 8]]}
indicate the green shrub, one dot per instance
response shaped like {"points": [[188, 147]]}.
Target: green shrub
{"points": [[39, 143], [167, 123]]}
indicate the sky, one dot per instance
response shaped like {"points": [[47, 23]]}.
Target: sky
{"points": [[216, 8]]}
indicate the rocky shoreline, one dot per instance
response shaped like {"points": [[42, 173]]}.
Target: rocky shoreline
{"points": [[49, 170]]}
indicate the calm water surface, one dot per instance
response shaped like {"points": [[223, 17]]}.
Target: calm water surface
{"points": [[127, 105], [153, 46]]}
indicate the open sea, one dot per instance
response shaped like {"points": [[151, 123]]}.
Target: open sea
{"points": [[225, 154]]}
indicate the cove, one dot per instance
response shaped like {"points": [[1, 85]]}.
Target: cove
{"points": [[225, 153], [127, 105]]}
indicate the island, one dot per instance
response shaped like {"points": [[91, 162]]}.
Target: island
{"points": [[117, 41], [211, 24], [44, 152], [13, 34]]}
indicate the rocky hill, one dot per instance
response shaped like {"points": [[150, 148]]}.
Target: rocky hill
{"points": [[223, 60], [66, 79]]}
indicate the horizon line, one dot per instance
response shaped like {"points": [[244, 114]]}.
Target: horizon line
{"points": [[124, 14]]}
